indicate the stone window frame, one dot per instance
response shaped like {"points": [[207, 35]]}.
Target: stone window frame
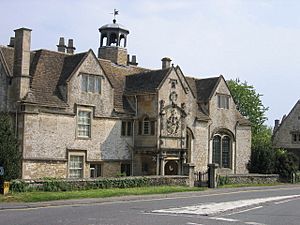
{"points": [[126, 129], [89, 134], [223, 101], [149, 129], [81, 154], [295, 136], [125, 168], [86, 81], [98, 168], [221, 152]]}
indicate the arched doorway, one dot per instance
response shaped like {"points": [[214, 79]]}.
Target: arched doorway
{"points": [[171, 168]]}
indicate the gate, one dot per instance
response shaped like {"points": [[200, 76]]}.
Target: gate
{"points": [[201, 179]]}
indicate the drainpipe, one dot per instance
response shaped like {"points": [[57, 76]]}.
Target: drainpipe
{"points": [[133, 135], [235, 154]]}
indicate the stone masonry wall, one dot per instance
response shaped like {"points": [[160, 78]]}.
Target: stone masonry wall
{"points": [[35, 170]]}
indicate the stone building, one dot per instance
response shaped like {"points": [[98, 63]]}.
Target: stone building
{"points": [[86, 115], [286, 133]]}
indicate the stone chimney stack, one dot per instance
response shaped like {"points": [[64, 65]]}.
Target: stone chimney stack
{"points": [[61, 47], [70, 48], [11, 42], [276, 125], [166, 62], [21, 76]]}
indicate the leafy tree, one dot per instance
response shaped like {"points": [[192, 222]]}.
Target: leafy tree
{"points": [[10, 156], [286, 163], [249, 104]]}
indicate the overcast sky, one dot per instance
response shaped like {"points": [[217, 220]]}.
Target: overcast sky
{"points": [[255, 41]]}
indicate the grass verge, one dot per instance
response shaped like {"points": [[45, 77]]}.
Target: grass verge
{"points": [[95, 193]]}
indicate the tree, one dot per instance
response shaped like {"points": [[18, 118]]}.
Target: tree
{"points": [[286, 163], [10, 156], [249, 103]]}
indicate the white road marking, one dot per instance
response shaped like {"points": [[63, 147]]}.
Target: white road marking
{"points": [[213, 208], [242, 211], [285, 201], [254, 223], [189, 223], [224, 219]]}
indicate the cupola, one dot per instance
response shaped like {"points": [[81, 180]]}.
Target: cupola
{"points": [[113, 41]]}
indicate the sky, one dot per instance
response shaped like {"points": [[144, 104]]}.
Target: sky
{"points": [[253, 40]]}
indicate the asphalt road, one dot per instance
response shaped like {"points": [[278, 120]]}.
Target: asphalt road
{"points": [[278, 205]]}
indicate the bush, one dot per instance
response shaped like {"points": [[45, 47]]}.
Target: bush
{"points": [[286, 163], [262, 160], [52, 184], [10, 156], [221, 180]]}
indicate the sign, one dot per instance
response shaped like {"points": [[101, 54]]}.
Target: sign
{"points": [[1, 171]]}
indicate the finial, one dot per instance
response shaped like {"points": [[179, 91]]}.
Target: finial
{"points": [[115, 13]]}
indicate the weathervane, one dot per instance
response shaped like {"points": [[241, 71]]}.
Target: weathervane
{"points": [[115, 13]]}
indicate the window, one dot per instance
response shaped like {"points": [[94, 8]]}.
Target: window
{"points": [[125, 169], [90, 83], [146, 127], [84, 124], [223, 102], [126, 129], [76, 166], [296, 138], [95, 170], [221, 151]]}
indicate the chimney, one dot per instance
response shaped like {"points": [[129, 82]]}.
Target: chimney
{"points": [[70, 48], [61, 47], [21, 61], [133, 61], [166, 62], [11, 42], [276, 124]]}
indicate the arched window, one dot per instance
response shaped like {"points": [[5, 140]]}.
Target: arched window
{"points": [[104, 40], [122, 41], [113, 41], [221, 150], [216, 150], [146, 126]]}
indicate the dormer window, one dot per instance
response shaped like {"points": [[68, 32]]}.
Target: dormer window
{"points": [[91, 83], [223, 101]]}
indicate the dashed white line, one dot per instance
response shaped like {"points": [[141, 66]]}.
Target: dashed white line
{"points": [[224, 219]]}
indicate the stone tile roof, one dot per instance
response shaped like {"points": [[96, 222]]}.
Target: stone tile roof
{"points": [[8, 55], [47, 69], [117, 76], [146, 82], [203, 88]]}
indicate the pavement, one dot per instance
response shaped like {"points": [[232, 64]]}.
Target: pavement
{"points": [[87, 201]]}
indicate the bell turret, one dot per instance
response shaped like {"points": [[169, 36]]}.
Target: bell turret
{"points": [[113, 41]]}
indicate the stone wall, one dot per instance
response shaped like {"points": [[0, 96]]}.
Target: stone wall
{"points": [[35, 169], [252, 179]]}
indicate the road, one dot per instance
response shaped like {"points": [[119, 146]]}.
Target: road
{"points": [[278, 205]]}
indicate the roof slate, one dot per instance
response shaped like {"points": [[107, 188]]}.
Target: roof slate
{"points": [[147, 82], [117, 75]]}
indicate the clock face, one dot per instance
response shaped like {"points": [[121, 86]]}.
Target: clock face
{"points": [[173, 96]]}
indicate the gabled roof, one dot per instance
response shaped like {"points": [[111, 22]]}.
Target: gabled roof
{"points": [[48, 70], [146, 82], [203, 88], [285, 118], [117, 76]]}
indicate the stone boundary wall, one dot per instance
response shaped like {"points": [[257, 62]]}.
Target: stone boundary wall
{"points": [[100, 183], [252, 178]]}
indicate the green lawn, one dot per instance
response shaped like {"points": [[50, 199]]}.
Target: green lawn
{"points": [[95, 193]]}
